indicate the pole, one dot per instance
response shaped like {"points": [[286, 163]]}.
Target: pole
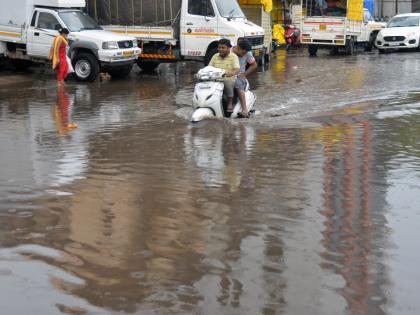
{"points": [[95, 11], [132, 10]]}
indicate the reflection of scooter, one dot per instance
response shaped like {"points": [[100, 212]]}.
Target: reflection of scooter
{"points": [[208, 99], [292, 36], [210, 149]]}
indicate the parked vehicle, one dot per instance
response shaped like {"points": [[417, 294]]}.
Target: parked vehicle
{"points": [[292, 36], [208, 99], [28, 28], [374, 26], [402, 32], [339, 26], [257, 14], [174, 30]]}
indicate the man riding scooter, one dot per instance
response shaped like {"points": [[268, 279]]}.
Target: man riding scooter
{"points": [[230, 63], [247, 66]]}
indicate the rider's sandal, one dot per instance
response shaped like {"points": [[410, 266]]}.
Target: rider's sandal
{"points": [[241, 115]]}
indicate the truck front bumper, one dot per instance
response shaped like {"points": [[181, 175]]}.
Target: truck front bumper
{"points": [[119, 56]]}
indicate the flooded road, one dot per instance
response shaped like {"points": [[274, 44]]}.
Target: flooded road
{"points": [[111, 202]]}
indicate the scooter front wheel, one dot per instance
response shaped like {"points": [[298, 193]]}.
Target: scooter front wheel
{"points": [[201, 114]]}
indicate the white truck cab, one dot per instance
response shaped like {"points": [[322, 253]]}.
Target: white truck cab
{"points": [[29, 37], [170, 31], [201, 29]]}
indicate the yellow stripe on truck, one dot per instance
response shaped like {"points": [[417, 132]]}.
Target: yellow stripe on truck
{"points": [[10, 34], [156, 56]]}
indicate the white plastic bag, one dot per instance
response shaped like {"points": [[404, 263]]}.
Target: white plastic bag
{"points": [[70, 66]]}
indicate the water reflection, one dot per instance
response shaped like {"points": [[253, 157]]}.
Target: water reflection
{"points": [[221, 154], [135, 211], [63, 111], [351, 215]]}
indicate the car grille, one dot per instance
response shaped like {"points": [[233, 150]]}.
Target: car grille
{"points": [[394, 38], [255, 41], [125, 44]]}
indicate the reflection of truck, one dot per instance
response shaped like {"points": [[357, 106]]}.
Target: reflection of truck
{"points": [[173, 30], [339, 24], [28, 28], [258, 15]]}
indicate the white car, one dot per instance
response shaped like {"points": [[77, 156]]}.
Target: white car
{"points": [[402, 32]]}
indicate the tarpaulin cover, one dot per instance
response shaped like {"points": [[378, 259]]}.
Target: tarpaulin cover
{"points": [[268, 4], [355, 10], [134, 12], [370, 5], [278, 34]]}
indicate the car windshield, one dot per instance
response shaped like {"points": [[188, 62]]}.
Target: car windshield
{"points": [[404, 21], [78, 21], [229, 9]]}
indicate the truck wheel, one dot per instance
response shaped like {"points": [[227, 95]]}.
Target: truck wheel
{"points": [[121, 72], [21, 65], [312, 50], [370, 44], [334, 51], [148, 66], [350, 47], [86, 67], [210, 55], [267, 57]]}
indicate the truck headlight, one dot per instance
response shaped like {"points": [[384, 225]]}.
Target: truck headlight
{"points": [[110, 45]]}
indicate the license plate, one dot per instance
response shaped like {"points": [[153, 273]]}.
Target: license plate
{"points": [[256, 53], [128, 53], [322, 27], [394, 44]]}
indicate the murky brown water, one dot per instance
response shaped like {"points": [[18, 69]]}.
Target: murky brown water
{"points": [[136, 211]]}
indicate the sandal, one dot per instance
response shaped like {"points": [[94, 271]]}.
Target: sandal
{"points": [[229, 112], [242, 115]]}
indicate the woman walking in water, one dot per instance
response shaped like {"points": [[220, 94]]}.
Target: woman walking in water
{"points": [[59, 55]]}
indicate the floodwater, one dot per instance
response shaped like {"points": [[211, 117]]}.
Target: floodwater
{"points": [[111, 202]]}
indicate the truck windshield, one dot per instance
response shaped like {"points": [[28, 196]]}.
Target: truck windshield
{"points": [[404, 21], [78, 21], [229, 9]]}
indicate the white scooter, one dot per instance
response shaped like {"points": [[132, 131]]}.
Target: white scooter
{"points": [[208, 99]]}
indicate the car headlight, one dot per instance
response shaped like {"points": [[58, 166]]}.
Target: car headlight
{"points": [[110, 45], [135, 43], [411, 34]]}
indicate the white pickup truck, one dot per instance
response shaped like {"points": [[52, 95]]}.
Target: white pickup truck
{"points": [[341, 25], [28, 28]]}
